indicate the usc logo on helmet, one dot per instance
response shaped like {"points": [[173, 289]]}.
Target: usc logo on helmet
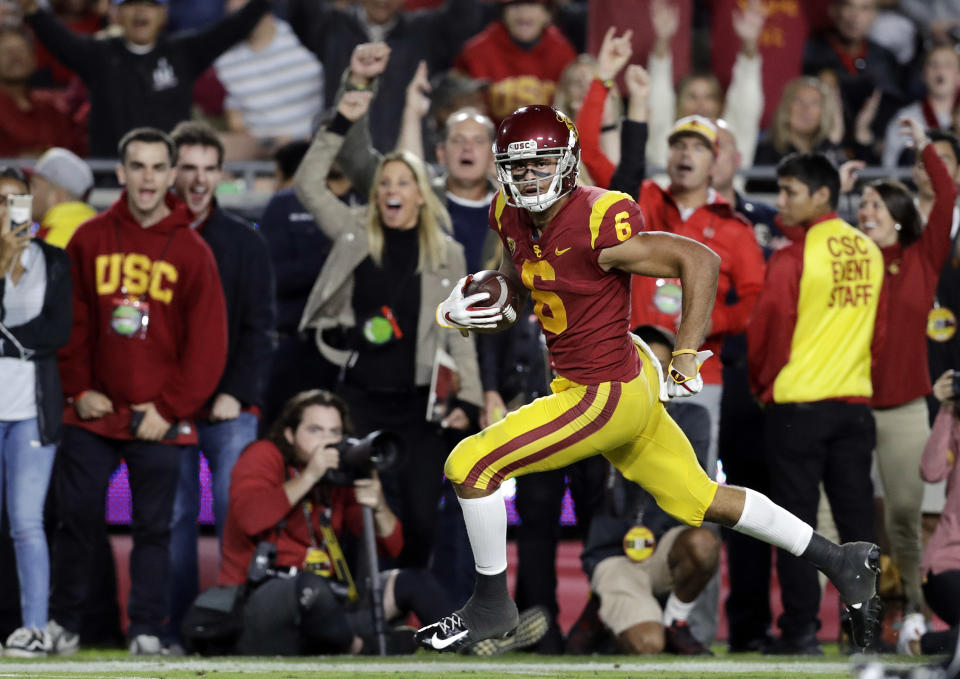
{"points": [[569, 123]]}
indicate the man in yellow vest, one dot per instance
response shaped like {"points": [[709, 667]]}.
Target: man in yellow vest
{"points": [[810, 345], [60, 182]]}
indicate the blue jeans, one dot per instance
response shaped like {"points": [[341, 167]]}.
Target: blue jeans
{"points": [[221, 443], [26, 476]]}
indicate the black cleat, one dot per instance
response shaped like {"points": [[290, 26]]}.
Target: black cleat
{"points": [[533, 625], [857, 585], [449, 633], [862, 625]]}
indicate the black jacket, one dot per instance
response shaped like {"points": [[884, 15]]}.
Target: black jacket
{"points": [[42, 337], [878, 70], [433, 35], [298, 249], [246, 274], [129, 90]]}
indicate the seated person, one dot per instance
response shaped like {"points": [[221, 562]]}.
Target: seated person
{"points": [[281, 493], [637, 556], [940, 565]]}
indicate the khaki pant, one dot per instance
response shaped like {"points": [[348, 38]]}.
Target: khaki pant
{"points": [[628, 590], [902, 432]]}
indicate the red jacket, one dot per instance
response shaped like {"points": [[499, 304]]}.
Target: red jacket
{"points": [[46, 123], [518, 77], [910, 284], [716, 225], [258, 503], [178, 362]]}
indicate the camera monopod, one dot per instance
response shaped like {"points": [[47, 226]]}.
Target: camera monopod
{"points": [[376, 596]]}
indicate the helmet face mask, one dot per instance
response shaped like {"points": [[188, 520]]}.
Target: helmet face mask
{"points": [[535, 133]]}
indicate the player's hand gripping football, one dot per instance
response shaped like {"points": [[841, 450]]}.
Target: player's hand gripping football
{"points": [[683, 374], [461, 313]]}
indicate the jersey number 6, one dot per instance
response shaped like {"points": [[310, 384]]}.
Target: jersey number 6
{"points": [[549, 307]]}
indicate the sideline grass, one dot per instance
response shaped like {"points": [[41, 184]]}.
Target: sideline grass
{"points": [[93, 664]]}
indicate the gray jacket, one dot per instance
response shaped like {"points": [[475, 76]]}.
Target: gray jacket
{"points": [[329, 304]]}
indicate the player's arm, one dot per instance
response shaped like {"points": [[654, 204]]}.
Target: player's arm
{"points": [[665, 255], [510, 272]]}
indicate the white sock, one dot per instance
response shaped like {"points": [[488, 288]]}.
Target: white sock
{"points": [[676, 610], [764, 520], [486, 519]]}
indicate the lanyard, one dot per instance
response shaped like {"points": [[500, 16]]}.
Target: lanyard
{"points": [[852, 63], [332, 545]]}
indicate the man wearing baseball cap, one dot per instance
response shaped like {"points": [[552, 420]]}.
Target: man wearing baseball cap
{"points": [[690, 207], [142, 77], [60, 182]]}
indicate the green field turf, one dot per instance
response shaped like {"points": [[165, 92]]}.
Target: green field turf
{"points": [[90, 664]]}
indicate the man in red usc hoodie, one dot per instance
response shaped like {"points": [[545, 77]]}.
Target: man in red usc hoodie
{"points": [[148, 346], [522, 56]]}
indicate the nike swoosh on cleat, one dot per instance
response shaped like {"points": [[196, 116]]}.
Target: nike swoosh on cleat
{"points": [[440, 644], [560, 252]]}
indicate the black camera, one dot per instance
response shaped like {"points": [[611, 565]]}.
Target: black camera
{"points": [[379, 450], [261, 565]]}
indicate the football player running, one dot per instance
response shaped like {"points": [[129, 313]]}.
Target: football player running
{"points": [[574, 248]]}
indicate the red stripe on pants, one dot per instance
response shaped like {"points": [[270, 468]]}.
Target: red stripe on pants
{"points": [[534, 434], [594, 426]]}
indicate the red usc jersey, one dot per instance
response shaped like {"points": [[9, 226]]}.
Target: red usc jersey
{"points": [[584, 311]]}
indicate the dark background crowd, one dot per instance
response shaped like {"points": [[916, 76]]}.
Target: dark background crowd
{"points": [[260, 198]]}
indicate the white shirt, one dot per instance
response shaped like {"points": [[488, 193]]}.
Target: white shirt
{"points": [[22, 302], [278, 90]]}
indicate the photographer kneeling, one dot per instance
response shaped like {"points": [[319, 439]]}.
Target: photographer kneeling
{"points": [[283, 525]]}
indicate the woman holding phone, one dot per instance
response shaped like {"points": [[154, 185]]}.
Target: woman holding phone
{"points": [[36, 316]]}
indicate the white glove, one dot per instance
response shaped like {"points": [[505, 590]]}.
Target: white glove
{"points": [[459, 312], [679, 385]]}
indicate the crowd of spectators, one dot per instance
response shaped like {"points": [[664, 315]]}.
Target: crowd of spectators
{"points": [[193, 330]]}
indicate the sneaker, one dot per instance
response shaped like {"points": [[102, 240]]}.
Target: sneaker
{"points": [[62, 641], [146, 644], [532, 627], [479, 619], [679, 639], [754, 645], [806, 644], [588, 632], [857, 586], [912, 627], [447, 634], [27, 642]]}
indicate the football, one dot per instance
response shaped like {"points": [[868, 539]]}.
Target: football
{"points": [[502, 293]]}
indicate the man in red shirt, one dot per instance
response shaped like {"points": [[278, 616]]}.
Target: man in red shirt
{"points": [[690, 207], [281, 493], [148, 346], [522, 56]]}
